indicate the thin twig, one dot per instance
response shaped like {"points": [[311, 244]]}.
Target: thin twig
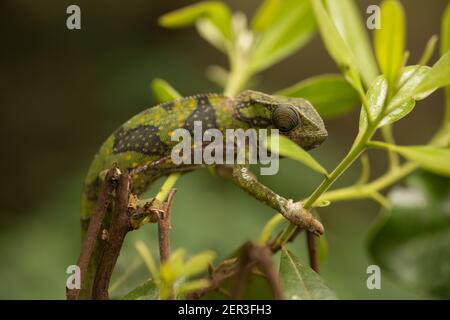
{"points": [[90, 248], [164, 232], [164, 228], [263, 255], [224, 292], [120, 226], [312, 251], [242, 273], [251, 255], [223, 272]]}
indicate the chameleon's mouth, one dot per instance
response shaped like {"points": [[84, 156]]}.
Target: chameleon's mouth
{"points": [[315, 140]]}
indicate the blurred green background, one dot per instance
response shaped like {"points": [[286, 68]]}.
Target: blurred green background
{"points": [[63, 92]]}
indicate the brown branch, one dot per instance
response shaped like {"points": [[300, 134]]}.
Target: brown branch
{"points": [[224, 271], [263, 255], [243, 270], [224, 292], [312, 251], [164, 228], [87, 253], [242, 267], [164, 232], [120, 226], [98, 258]]}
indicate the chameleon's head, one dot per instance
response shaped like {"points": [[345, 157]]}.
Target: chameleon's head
{"points": [[295, 118]]}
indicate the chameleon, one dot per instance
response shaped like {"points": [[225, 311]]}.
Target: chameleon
{"points": [[146, 138]]}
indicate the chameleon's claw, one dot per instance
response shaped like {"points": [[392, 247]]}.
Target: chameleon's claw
{"points": [[294, 212]]}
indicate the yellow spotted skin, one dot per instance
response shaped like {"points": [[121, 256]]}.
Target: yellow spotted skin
{"points": [[145, 138]]}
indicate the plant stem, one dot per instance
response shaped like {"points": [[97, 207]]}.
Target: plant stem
{"points": [[167, 186], [440, 139], [269, 227], [353, 154], [388, 136], [239, 76], [365, 191]]}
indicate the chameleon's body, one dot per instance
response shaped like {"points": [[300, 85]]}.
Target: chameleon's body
{"points": [[145, 138], [145, 141]]}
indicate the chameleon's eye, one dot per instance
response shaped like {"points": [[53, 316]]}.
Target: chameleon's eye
{"points": [[285, 118]]}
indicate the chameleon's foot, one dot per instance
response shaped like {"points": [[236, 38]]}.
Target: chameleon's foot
{"points": [[294, 212], [144, 211]]}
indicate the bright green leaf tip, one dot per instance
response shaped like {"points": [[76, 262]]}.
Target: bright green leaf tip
{"points": [[300, 282], [290, 149], [163, 91], [390, 40]]}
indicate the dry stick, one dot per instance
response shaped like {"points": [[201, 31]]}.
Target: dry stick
{"points": [[92, 233], [228, 269], [250, 256], [164, 232], [312, 251], [224, 271], [242, 272], [224, 292], [120, 225], [264, 257], [164, 228]]}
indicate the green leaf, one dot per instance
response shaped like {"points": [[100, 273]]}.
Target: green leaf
{"points": [[411, 241], [410, 79], [198, 263], [146, 255], [429, 50], [218, 75], [445, 31], [217, 12], [445, 47], [404, 100], [431, 158], [376, 97], [147, 291], [390, 40], [439, 75], [173, 269], [291, 26], [331, 95], [290, 149], [345, 16], [211, 34], [336, 46], [193, 285], [163, 91], [300, 282], [398, 113], [268, 13]]}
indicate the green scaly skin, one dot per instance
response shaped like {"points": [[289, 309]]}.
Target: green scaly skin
{"points": [[145, 139]]}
